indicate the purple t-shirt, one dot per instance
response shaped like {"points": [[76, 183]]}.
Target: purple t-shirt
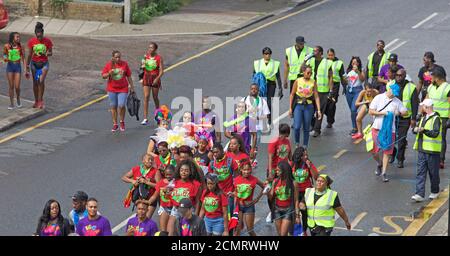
{"points": [[243, 129], [98, 227], [209, 119], [384, 70], [146, 228]]}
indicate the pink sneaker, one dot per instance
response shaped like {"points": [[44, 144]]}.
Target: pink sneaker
{"points": [[122, 126], [115, 128], [357, 136]]}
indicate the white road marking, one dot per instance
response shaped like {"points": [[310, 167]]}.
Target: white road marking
{"points": [[122, 224], [425, 20], [356, 229], [391, 43], [278, 119], [3, 173], [398, 46], [358, 219]]}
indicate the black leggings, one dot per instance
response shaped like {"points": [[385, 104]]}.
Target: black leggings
{"points": [[271, 87], [301, 195]]}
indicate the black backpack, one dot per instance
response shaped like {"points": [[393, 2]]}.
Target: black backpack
{"points": [[133, 104]]}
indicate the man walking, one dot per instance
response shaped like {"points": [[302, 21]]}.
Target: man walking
{"points": [[338, 78], [428, 144], [188, 224], [383, 78], [439, 92], [295, 57], [409, 97], [429, 64], [323, 75], [375, 61]]}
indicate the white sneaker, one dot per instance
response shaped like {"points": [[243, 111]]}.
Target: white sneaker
{"points": [[10, 107], [144, 122], [417, 198], [18, 105], [433, 196], [269, 218]]}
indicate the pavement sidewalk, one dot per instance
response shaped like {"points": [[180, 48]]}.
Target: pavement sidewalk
{"points": [[440, 228], [199, 17], [9, 118]]}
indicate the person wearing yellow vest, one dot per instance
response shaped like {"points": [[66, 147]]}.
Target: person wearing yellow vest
{"points": [[375, 61], [301, 108], [321, 204], [295, 57], [322, 73], [271, 71], [428, 145], [410, 99], [14, 55], [338, 77], [439, 92]]}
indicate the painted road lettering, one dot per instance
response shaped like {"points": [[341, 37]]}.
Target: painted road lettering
{"points": [[389, 220]]}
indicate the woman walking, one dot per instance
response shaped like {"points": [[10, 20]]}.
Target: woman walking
{"points": [[303, 95], [363, 102], [152, 63], [52, 223], [356, 79], [284, 194], [14, 55], [40, 48], [118, 74]]}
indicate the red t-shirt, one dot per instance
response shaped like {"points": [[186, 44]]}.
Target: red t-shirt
{"points": [[164, 198], [213, 204], [302, 176], [183, 189], [39, 48], [152, 64], [244, 187], [224, 174], [137, 172], [280, 149], [282, 199], [237, 157], [117, 82]]}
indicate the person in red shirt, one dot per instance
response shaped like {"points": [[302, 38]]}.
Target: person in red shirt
{"points": [[163, 189], [147, 174], [40, 48], [153, 66], [284, 192], [279, 149], [118, 74], [185, 186], [164, 157], [245, 184], [214, 208], [224, 167], [13, 54], [236, 149]]}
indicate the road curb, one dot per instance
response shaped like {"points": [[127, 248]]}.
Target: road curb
{"points": [[428, 216], [20, 118]]}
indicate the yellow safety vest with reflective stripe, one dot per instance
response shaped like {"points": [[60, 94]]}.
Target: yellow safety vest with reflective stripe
{"points": [[336, 67], [304, 86], [368, 137], [428, 143], [384, 61], [322, 74], [322, 212], [406, 96], [270, 70], [438, 94], [296, 61]]}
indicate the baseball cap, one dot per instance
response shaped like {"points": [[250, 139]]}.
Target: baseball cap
{"points": [[427, 103], [300, 39], [185, 203], [393, 57], [80, 196]]}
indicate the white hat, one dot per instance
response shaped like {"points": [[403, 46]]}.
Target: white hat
{"points": [[427, 103]]}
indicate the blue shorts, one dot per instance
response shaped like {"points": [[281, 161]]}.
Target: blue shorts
{"points": [[214, 226], [33, 67], [14, 67], [117, 99], [247, 209]]}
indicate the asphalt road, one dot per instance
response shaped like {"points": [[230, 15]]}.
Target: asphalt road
{"points": [[79, 152]]}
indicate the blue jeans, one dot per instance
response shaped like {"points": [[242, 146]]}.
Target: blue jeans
{"points": [[117, 99], [427, 164], [303, 114], [351, 100], [214, 226]]}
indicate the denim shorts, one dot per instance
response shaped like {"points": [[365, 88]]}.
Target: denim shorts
{"points": [[167, 210], [214, 226], [174, 212], [117, 99], [247, 209], [283, 213], [14, 67]]}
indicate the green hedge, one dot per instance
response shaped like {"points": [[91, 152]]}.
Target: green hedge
{"points": [[152, 9]]}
